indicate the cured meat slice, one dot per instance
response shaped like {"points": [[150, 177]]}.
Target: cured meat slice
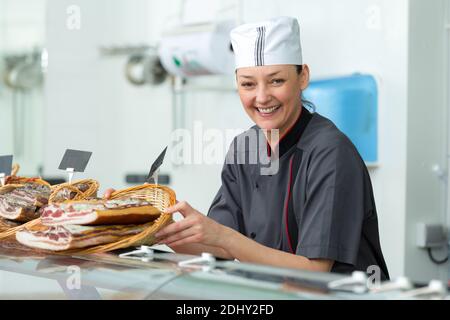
{"points": [[60, 238], [20, 202], [99, 212]]}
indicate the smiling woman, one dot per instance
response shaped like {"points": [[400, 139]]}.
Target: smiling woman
{"points": [[316, 211]]}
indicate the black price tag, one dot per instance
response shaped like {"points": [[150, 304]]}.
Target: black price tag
{"points": [[155, 166], [6, 165], [75, 159]]}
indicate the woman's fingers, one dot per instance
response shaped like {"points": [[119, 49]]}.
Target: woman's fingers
{"points": [[108, 193], [195, 227], [187, 233], [182, 207], [191, 239], [175, 227]]}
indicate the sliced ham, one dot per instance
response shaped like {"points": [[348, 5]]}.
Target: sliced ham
{"points": [[60, 238], [99, 212], [21, 202]]}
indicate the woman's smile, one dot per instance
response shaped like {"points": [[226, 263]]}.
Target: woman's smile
{"points": [[268, 112]]}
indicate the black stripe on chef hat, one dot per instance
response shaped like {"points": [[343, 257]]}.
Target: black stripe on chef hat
{"points": [[259, 46]]}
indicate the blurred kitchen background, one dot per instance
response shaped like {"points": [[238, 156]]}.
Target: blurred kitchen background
{"points": [[88, 75]]}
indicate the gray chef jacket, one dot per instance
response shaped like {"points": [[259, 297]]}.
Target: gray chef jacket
{"points": [[317, 202]]}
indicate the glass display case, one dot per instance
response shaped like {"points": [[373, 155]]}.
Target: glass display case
{"points": [[109, 276], [159, 275]]}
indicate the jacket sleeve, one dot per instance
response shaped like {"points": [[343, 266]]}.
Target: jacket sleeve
{"points": [[335, 207]]}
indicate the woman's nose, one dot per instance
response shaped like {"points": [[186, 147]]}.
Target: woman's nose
{"points": [[263, 96]]}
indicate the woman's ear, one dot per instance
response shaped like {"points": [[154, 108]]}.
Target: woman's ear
{"points": [[304, 77]]}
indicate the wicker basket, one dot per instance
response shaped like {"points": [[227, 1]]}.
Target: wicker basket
{"points": [[12, 231], [15, 181], [15, 168], [67, 188], [160, 197]]}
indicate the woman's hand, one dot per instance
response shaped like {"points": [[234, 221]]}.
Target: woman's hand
{"points": [[108, 193], [194, 228]]}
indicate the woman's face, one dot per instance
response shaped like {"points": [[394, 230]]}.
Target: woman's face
{"points": [[271, 95]]}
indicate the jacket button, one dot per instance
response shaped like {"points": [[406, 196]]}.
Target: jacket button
{"points": [[253, 235], [256, 185]]}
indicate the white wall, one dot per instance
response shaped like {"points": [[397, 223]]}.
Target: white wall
{"points": [[22, 28], [427, 134], [91, 106]]}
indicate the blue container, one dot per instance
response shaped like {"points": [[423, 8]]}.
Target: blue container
{"points": [[351, 102]]}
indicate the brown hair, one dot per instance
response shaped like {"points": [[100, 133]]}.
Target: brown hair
{"points": [[305, 102]]}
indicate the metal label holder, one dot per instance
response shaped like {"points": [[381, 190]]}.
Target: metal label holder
{"points": [[435, 290], [399, 284], [144, 253], [206, 262], [356, 283], [71, 173]]}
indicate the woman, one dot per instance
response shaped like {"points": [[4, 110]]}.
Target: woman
{"points": [[315, 210]]}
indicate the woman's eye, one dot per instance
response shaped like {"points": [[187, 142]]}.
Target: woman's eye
{"points": [[278, 81], [246, 84]]}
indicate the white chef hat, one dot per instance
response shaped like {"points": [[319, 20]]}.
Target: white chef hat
{"points": [[271, 42]]}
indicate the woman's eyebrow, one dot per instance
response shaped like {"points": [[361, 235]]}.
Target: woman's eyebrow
{"points": [[273, 74], [246, 77], [269, 75]]}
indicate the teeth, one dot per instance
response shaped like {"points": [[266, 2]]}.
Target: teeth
{"points": [[268, 110]]}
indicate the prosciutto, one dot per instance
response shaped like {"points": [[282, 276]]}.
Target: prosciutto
{"points": [[21, 202], [99, 212], [60, 238]]}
